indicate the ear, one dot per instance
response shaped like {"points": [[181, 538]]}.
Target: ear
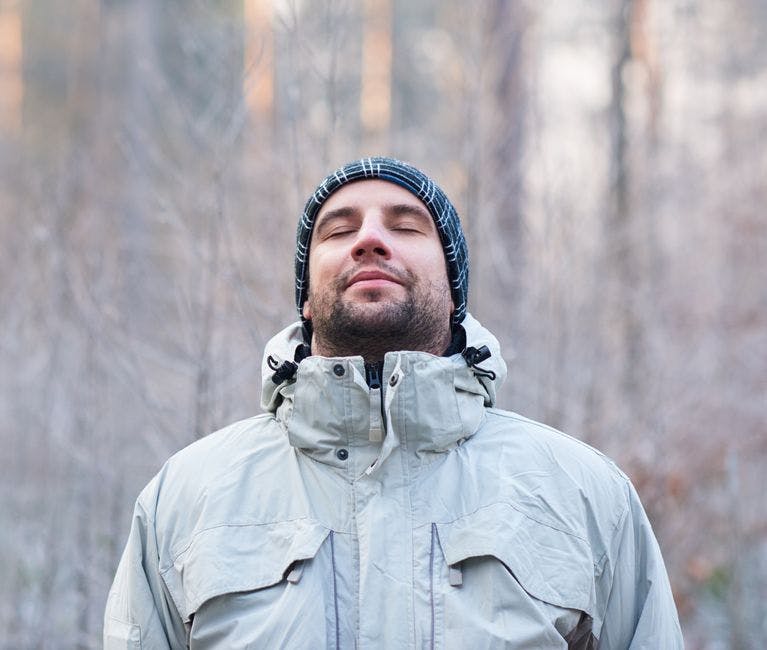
{"points": [[306, 310]]}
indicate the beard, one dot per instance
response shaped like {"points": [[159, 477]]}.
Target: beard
{"points": [[377, 325]]}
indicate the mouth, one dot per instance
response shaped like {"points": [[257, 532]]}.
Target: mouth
{"points": [[372, 279]]}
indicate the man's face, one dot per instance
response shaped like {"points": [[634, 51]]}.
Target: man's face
{"points": [[377, 268]]}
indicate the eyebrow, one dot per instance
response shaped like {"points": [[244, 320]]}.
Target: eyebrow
{"points": [[335, 214], [407, 208]]}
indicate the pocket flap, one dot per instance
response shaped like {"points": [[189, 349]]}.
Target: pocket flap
{"points": [[236, 558], [550, 564]]}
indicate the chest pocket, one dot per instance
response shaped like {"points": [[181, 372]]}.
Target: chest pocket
{"points": [[235, 585], [505, 580]]}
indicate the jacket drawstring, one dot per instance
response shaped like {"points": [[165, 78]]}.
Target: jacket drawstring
{"points": [[474, 357], [287, 369]]}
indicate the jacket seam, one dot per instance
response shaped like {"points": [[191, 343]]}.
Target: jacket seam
{"points": [[356, 562], [513, 507], [335, 588], [431, 584], [197, 533], [606, 602], [132, 626], [404, 463], [616, 527]]}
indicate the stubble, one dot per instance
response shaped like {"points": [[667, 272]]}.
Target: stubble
{"points": [[377, 325]]}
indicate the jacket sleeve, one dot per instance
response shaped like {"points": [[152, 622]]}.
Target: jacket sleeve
{"points": [[139, 611], [640, 612]]}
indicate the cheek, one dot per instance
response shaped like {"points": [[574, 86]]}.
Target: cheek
{"points": [[435, 266], [312, 275], [319, 277], [320, 266]]}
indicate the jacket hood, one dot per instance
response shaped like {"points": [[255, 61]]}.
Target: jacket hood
{"points": [[489, 374]]}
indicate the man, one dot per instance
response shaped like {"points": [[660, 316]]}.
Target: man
{"points": [[382, 501]]}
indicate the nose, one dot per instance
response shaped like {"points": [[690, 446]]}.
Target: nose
{"points": [[372, 241]]}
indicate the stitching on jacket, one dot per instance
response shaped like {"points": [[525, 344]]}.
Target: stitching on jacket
{"points": [[431, 582], [197, 533], [618, 525], [517, 509], [335, 587], [405, 468]]}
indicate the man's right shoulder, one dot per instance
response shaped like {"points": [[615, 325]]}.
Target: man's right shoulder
{"points": [[241, 435], [205, 461]]}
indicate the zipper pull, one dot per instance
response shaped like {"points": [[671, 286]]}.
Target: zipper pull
{"points": [[373, 374]]}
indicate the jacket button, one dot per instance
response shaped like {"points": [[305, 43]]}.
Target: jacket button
{"points": [[342, 454], [393, 380], [338, 369]]}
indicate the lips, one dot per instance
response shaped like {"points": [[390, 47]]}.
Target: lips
{"points": [[372, 277]]}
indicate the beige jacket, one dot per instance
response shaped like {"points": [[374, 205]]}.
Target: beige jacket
{"points": [[411, 516]]}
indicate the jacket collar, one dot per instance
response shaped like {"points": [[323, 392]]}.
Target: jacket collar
{"points": [[426, 404]]}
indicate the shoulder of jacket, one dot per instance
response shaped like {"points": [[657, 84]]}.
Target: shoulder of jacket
{"points": [[579, 488], [559, 446], [194, 467], [222, 441]]}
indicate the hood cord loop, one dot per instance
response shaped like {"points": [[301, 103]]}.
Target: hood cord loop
{"points": [[474, 357], [287, 369]]}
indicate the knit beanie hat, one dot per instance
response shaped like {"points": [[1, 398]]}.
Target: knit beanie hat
{"points": [[415, 181]]}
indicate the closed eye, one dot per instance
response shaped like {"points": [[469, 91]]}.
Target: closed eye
{"points": [[337, 234], [408, 227], [337, 223], [409, 218]]}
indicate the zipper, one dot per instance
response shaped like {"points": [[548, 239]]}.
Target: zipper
{"points": [[373, 373], [391, 439]]}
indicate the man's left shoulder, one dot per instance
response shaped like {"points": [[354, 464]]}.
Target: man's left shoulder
{"points": [[559, 483], [546, 446], [547, 471]]}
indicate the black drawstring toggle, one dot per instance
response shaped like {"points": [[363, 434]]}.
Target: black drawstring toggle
{"points": [[287, 369], [283, 371], [474, 356]]}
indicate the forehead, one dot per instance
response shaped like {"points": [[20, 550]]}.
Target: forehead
{"points": [[370, 193]]}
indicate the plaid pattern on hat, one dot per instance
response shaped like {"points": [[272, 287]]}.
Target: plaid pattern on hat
{"points": [[415, 181]]}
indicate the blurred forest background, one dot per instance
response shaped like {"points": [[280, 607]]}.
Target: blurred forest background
{"points": [[609, 161]]}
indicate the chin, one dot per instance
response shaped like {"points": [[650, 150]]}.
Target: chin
{"points": [[382, 313], [371, 306], [371, 299]]}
